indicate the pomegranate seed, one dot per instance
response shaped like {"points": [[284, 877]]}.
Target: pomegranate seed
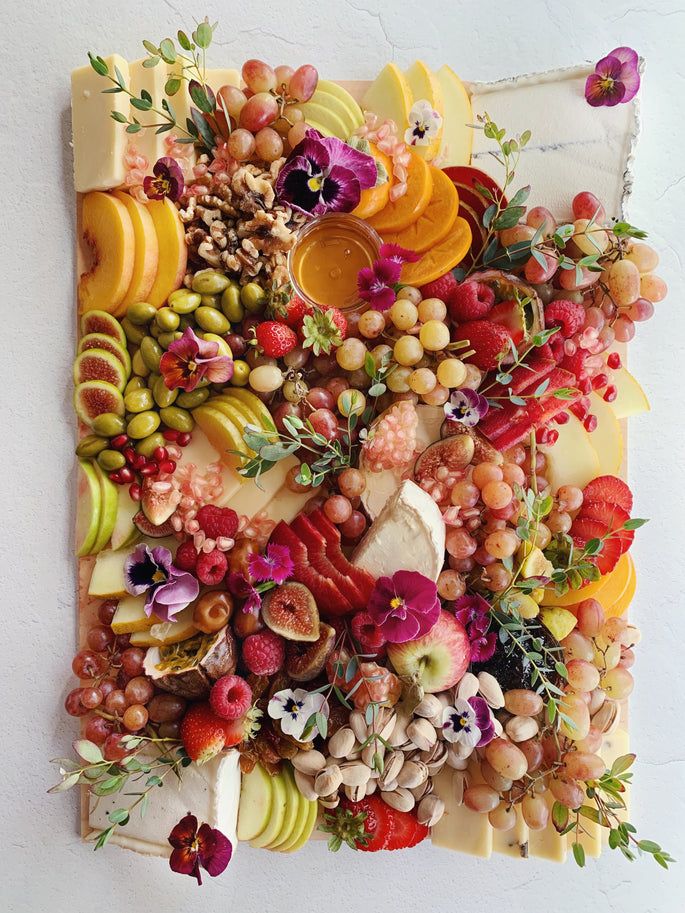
{"points": [[160, 454], [590, 423], [168, 466], [135, 491], [130, 455], [562, 418], [170, 435], [126, 475], [542, 435], [614, 361], [553, 436], [119, 442], [115, 477], [184, 439], [579, 410], [584, 384], [149, 469], [599, 381], [610, 393], [139, 461]]}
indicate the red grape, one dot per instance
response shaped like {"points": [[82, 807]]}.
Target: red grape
{"points": [[91, 698], [233, 98], [320, 398], [115, 702], [87, 664], [268, 145], [303, 82], [586, 206], [107, 685], [139, 690], [113, 749], [72, 703], [324, 422], [283, 75], [132, 661], [338, 509], [100, 637], [259, 111], [259, 76], [166, 708], [107, 610], [241, 144], [283, 410], [98, 729], [354, 526]]}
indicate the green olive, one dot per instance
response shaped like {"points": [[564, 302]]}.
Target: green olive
{"points": [[194, 398], [178, 419], [109, 424], [167, 320], [241, 372], [89, 446], [138, 366], [149, 444], [211, 301], [141, 313], [111, 460], [209, 282], [165, 339], [143, 424], [154, 330], [162, 394], [134, 334], [183, 301], [135, 383], [253, 297], [151, 352], [231, 304], [139, 400], [212, 321]]}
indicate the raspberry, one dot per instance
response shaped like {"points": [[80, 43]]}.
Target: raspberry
{"points": [[230, 697], [569, 315], [441, 288], [186, 557], [470, 301], [367, 632], [217, 521], [263, 653], [211, 567]]}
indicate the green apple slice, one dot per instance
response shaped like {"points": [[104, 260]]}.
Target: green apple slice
{"points": [[277, 815], [292, 807], [256, 798], [109, 497], [124, 532], [301, 815], [310, 822], [88, 510]]}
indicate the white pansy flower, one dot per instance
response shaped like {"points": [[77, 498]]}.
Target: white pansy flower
{"points": [[294, 708], [459, 724], [424, 124]]}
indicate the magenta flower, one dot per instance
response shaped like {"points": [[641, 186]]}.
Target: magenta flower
{"points": [[404, 606], [190, 359], [168, 589], [195, 848], [466, 406], [484, 720], [468, 608], [324, 174], [474, 613], [377, 283], [276, 564], [241, 588], [167, 180], [616, 79]]}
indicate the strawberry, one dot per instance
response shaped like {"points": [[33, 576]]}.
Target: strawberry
{"points": [[441, 288], [202, 732], [489, 340], [470, 301], [612, 516], [611, 489], [510, 314], [371, 825], [583, 529], [294, 312], [275, 339], [323, 329], [569, 315]]}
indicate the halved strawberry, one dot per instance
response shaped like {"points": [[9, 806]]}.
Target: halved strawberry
{"points": [[613, 517], [611, 489], [405, 830], [511, 315], [583, 529]]}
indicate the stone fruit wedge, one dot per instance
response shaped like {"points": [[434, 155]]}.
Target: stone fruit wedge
{"points": [[253, 403], [94, 397], [173, 254], [146, 256], [89, 506], [316, 550], [256, 799], [108, 235], [437, 221], [221, 433], [97, 364], [274, 824], [398, 215]]}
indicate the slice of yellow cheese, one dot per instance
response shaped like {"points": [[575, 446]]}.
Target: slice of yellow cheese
{"points": [[572, 459]]}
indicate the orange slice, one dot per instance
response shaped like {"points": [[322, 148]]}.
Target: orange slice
{"points": [[402, 212], [373, 199], [441, 258], [589, 591], [619, 591], [436, 222]]}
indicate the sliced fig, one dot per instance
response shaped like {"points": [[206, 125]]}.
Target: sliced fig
{"points": [[303, 663], [159, 502], [455, 453], [483, 451], [505, 286], [102, 322], [108, 344], [191, 667], [291, 611], [98, 364], [94, 397], [150, 530]]}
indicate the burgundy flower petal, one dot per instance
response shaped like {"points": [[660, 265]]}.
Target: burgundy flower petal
{"points": [[398, 254], [366, 279], [183, 833], [399, 630], [382, 300], [185, 862], [214, 849], [363, 166], [387, 271], [341, 190], [314, 150], [609, 67]]}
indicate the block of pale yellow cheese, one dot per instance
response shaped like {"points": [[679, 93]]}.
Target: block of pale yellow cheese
{"points": [[149, 79], [99, 141]]}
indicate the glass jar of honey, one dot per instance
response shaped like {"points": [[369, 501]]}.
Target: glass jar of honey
{"points": [[326, 257]]}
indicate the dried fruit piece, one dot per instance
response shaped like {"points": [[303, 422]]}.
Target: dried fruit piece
{"points": [[290, 610], [454, 453], [303, 663]]}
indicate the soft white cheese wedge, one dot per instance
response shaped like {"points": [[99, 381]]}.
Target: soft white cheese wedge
{"points": [[209, 791], [408, 534]]}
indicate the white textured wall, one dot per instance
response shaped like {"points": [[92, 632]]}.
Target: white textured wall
{"points": [[44, 865]]}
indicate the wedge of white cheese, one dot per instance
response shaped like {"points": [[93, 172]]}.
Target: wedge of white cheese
{"points": [[408, 534], [209, 791]]}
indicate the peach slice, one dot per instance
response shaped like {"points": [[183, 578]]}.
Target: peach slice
{"points": [[109, 238], [146, 258], [618, 593], [173, 254]]}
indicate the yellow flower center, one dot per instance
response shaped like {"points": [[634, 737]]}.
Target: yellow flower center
{"points": [[396, 602], [314, 184]]}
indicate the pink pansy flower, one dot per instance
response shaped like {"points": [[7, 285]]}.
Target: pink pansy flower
{"points": [[377, 283], [474, 613], [167, 589], [198, 847], [276, 564], [404, 606], [168, 180], [190, 359], [616, 79]]}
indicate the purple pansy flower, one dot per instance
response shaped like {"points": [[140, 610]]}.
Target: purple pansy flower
{"points": [[241, 588], [616, 79], [377, 283], [324, 174], [190, 359], [168, 589], [167, 180], [276, 564], [474, 613], [466, 406], [198, 847], [404, 606], [468, 722]]}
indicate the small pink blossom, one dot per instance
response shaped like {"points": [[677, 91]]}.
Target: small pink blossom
{"points": [[190, 359], [275, 564], [377, 283]]}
